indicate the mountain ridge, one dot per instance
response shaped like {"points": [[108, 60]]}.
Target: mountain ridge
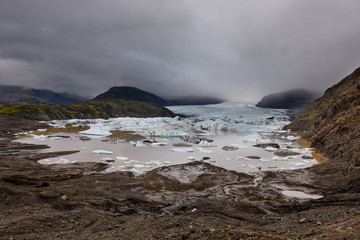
{"points": [[12, 93], [291, 99]]}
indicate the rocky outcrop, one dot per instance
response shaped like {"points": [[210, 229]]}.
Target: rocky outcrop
{"points": [[331, 124], [293, 99], [86, 110]]}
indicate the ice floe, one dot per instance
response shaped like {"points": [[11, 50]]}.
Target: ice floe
{"points": [[182, 149], [102, 152], [270, 149], [159, 144]]}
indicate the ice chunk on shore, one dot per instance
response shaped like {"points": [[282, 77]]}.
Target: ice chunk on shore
{"points": [[102, 152], [122, 158]]}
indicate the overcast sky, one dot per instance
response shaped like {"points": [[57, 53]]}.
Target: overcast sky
{"points": [[235, 49]]}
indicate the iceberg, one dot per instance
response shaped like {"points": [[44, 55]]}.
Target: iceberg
{"points": [[159, 144], [205, 143], [96, 131], [300, 164], [292, 138], [102, 152], [240, 146], [137, 144], [203, 150], [39, 137], [182, 150], [139, 165], [270, 149], [122, 158]]}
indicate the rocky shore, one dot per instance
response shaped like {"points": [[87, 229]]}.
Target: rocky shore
{"points": [[79, 201]]}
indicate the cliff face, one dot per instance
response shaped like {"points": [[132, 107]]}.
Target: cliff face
{"points": [[332, 125], [86, 110]]}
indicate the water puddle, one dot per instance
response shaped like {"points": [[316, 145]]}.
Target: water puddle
{"points": [[301, 195]]}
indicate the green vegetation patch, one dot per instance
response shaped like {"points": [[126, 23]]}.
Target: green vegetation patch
{"points": [[14, 107], [311, 116]]}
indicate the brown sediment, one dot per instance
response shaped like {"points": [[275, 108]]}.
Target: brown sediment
{"points": [[126, 135], [320, 158], [68, 129]]}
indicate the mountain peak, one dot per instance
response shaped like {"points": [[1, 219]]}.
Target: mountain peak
{"points": [[130, 93]]}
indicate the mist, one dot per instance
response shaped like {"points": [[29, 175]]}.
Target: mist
{"points": [[236, 50]]}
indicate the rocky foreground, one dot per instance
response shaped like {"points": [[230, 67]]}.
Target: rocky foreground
{"points": [[190, 201]]}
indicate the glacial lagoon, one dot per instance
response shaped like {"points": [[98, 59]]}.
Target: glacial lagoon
{"points": [[222, 134]]}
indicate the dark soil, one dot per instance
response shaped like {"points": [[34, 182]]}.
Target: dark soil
{"points": [[77, 201]]}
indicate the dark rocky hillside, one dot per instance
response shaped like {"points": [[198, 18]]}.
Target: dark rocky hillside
{"points": [[89, 109], [297, 98], [332, 125], [30, 95], [131, 93]]}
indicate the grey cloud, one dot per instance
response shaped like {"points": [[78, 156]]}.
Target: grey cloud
{"points": [[238, 50]]}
